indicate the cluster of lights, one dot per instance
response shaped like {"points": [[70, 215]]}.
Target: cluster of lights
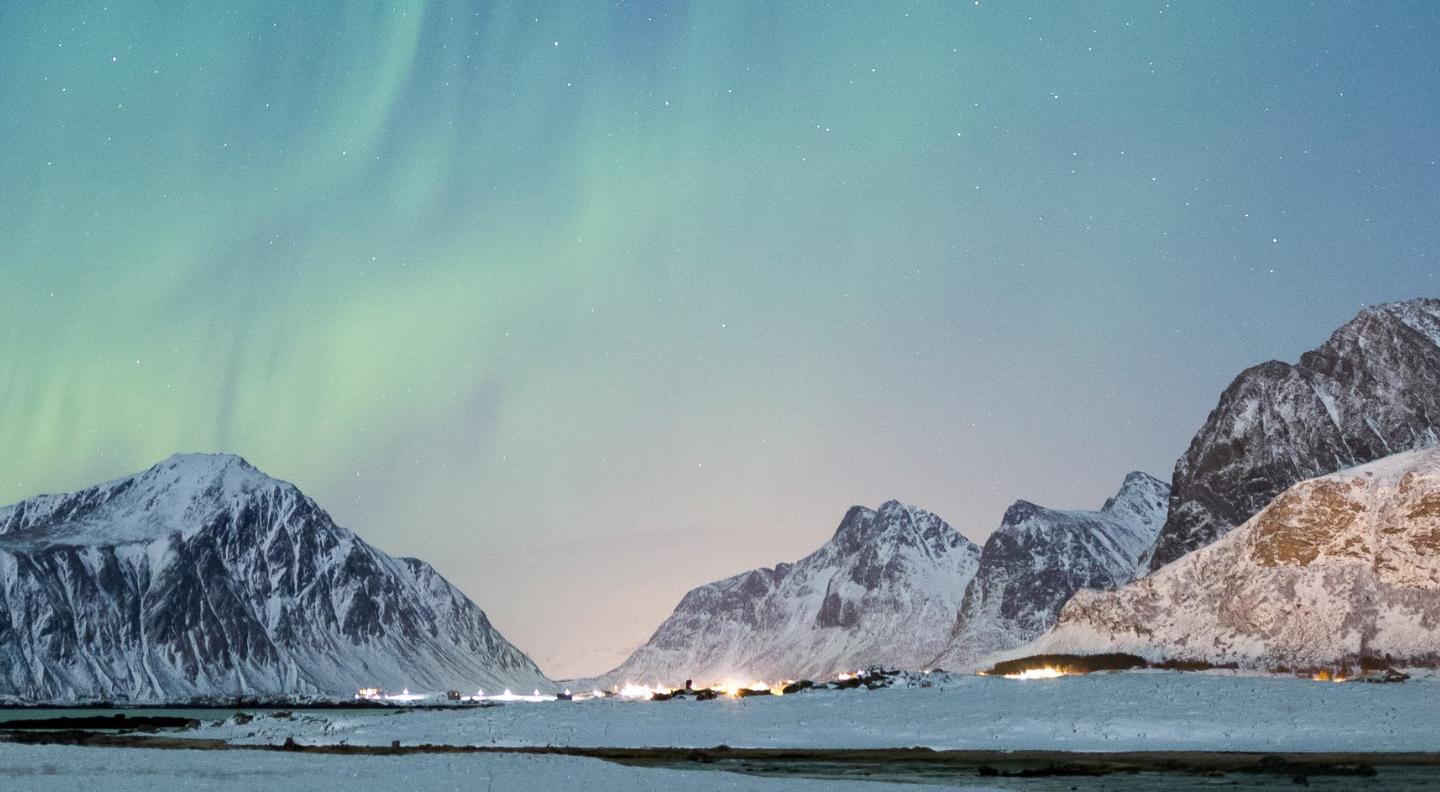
{"points": [[732, 689], [632, 691], [729, 689], [376, 694], [537, 696], [405, 696]]}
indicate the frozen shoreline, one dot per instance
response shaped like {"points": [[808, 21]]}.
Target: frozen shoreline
{"points": [[1102, 731]]}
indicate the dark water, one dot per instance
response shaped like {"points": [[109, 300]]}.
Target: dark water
{"points": [[198, 713]]}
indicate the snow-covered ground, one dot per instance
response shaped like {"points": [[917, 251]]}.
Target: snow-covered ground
{"points": [[44, 768], [1100, 712]]}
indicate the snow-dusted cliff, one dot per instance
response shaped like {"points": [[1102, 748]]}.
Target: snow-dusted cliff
{"points": [[1039, 557], [202, 576], [1373, 389], [1336, 569], [883, 590]]}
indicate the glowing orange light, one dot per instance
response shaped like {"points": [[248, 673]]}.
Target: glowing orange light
{"points": [[1037, 673], [633, 691]]}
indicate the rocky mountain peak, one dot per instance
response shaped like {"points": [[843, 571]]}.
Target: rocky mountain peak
{"points": [[178, 495], [1141, 495], [202, 576], [1019, 512], [1039, 557], [1371, 390], [894, 522], [203, 460], [882, 591]]}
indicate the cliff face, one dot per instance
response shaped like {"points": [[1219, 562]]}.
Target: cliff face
{"points": [[1371, 390]]}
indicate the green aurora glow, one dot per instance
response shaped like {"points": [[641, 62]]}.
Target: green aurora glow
{"points": [[590, 303]]}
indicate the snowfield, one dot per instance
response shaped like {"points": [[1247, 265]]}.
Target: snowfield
{"points": [[1100, 712]]}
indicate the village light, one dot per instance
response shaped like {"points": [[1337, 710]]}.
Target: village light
{"points": [[731, 689], [1037, 673], [633, 691], [535, 697], [406, 696]]}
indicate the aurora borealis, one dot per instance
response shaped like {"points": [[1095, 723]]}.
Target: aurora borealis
{"points": [[591, 303]]}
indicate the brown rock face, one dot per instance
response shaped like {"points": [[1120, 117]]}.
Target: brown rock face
{"points": [[1297, 529], [1339, 571]]}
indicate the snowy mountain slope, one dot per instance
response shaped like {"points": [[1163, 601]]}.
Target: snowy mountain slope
{"points": [[1038, 557], [1336, 569], [1371, 390], [203, 576], [883, 590]]}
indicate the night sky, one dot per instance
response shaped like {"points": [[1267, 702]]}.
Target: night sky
{"points": [[590, 304]]}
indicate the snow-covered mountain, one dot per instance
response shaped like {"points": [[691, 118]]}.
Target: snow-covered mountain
{"points": [[1371, 390], [1337, 569], [883, 590], [202, 576], [1038, 558]]}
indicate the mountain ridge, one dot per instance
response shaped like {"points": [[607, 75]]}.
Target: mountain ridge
{"points": [[202, 576], [853, 602], [1039, 557]]}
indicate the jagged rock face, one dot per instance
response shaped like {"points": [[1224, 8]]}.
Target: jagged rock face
{"points": [[204, 577], [1372, 390], [882, 591], [1039, 558], [1337, 569]]}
